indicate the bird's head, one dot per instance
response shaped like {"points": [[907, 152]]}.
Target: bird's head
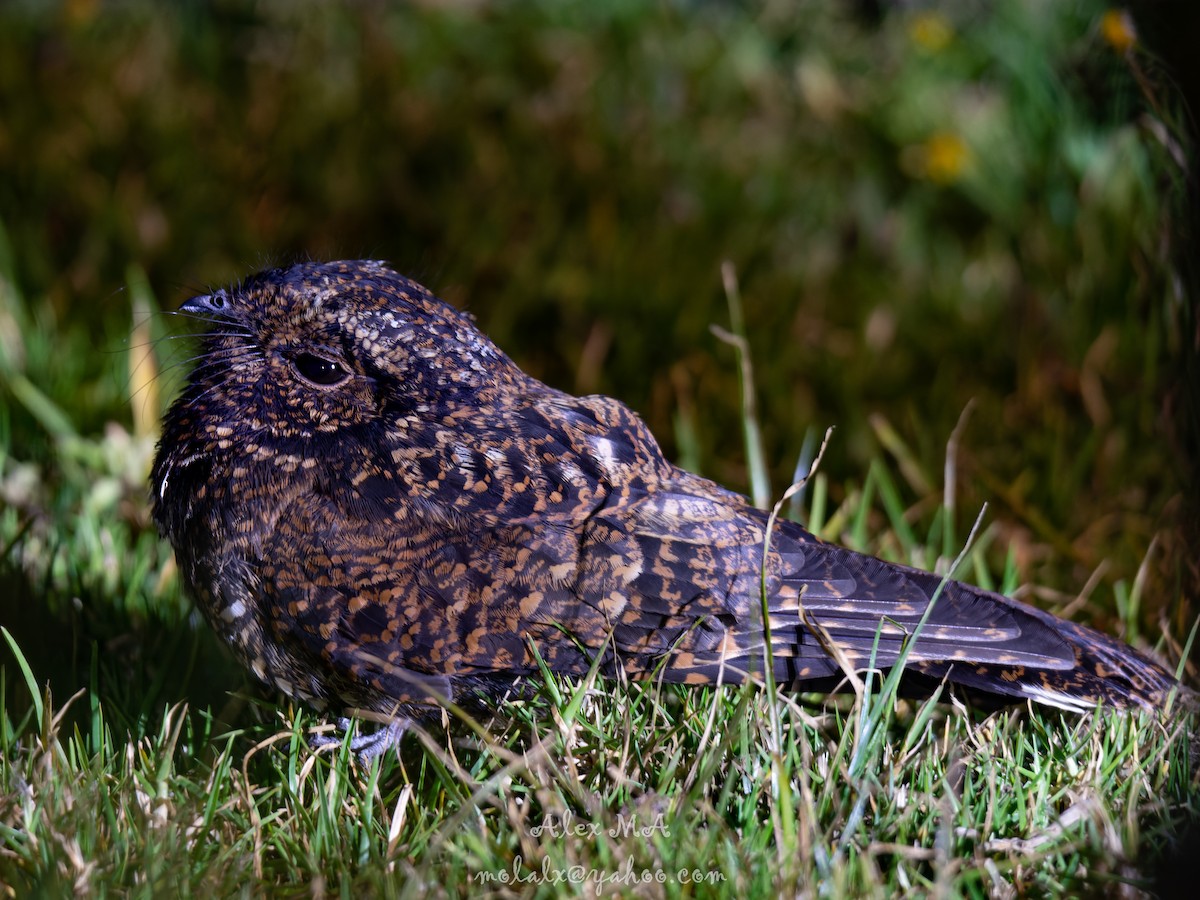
{"points": [[313, 349]]}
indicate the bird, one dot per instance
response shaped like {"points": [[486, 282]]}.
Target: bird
{"points": [[381, 513]]}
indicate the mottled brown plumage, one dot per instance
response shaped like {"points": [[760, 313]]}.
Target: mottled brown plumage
{"points": [[376, 509]]}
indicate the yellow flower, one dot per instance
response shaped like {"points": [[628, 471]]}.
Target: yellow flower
{"points": [[930, 31], [1118, 29], [80, 12], [946, 157]]}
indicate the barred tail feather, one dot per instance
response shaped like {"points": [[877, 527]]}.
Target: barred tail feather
{"points": [[1107, 672], [973, 637]]}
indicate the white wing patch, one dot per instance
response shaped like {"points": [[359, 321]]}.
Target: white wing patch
{"points": [[605, 454], [1057, 699]]}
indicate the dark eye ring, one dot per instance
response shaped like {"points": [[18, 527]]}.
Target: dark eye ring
{"points": [[319, 371]]}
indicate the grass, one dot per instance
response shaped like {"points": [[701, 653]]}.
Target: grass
{"points": [[598, 787]]}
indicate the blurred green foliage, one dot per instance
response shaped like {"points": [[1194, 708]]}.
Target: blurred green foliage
{"points": [[922, 208]]}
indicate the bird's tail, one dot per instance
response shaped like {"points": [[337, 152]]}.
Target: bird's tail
{"points": [[992, 643], [1107, 671], [879, 612]]}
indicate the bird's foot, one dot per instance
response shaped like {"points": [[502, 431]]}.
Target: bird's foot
{"points": [[365, 746]]}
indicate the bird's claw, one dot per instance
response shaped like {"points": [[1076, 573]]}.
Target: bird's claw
{"points": [[365, 746]]}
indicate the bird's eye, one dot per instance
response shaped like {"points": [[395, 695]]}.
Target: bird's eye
{"points": [[319, 371]]}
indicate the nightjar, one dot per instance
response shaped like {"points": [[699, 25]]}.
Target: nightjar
{"points": [[378, 510]]}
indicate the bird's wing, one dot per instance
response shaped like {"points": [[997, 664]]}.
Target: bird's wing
{"points": [[689, 568], [693, 582], [625, 551]]}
